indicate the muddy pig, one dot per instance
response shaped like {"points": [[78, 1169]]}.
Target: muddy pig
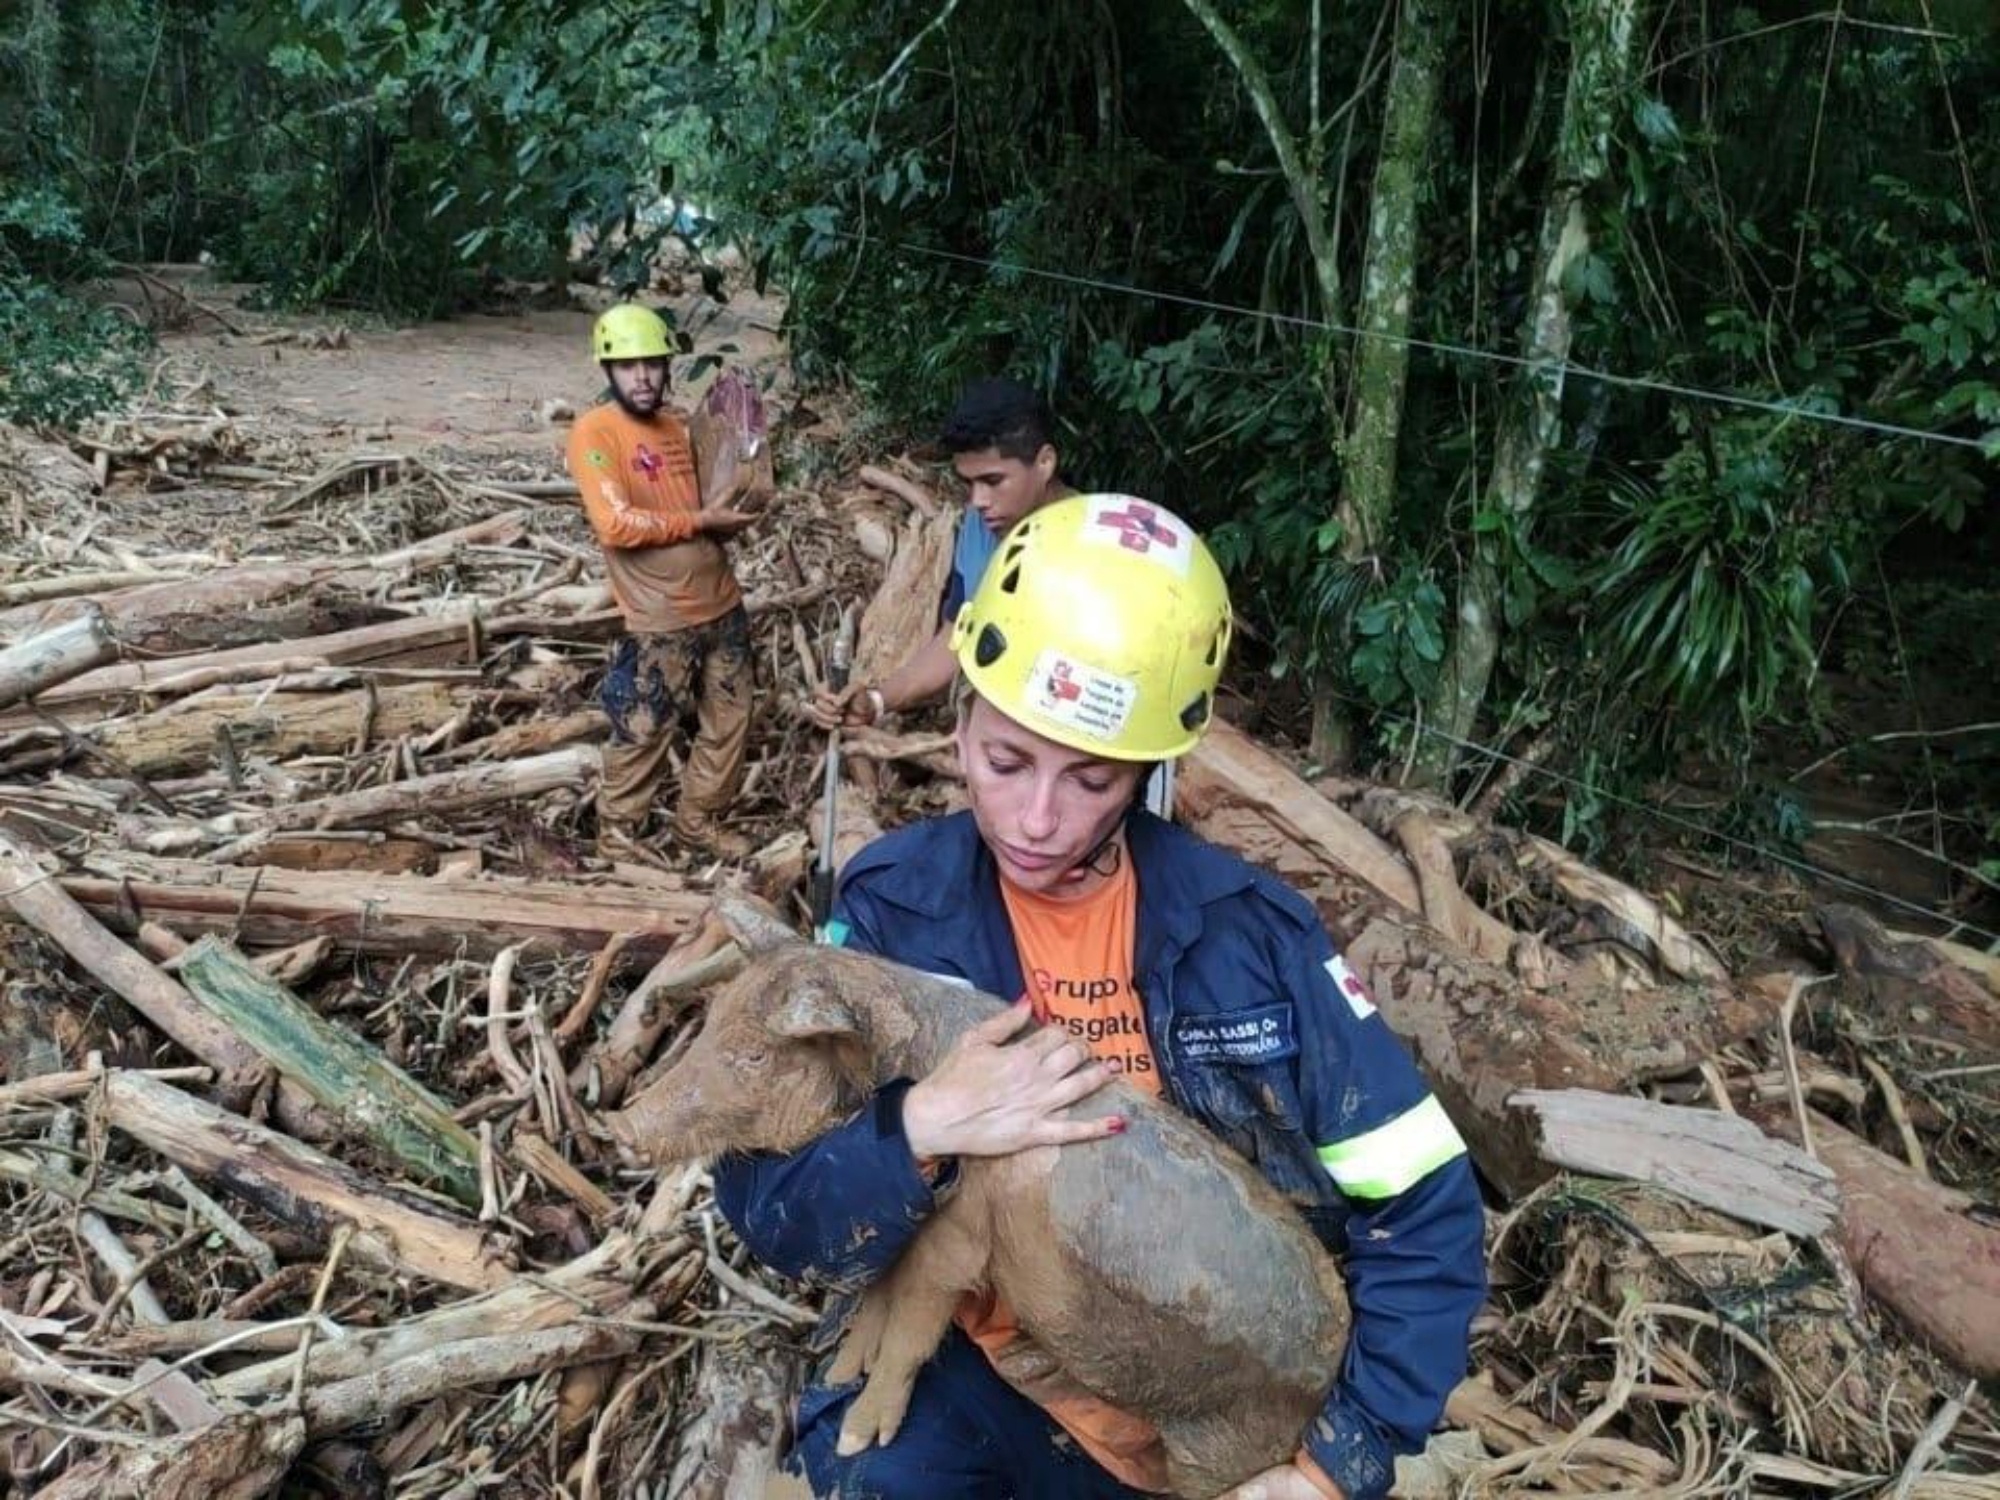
{"points": [[1155, 1269]]}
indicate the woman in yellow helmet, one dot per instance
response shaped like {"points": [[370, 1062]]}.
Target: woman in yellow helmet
{"points": [[1091, 651]]}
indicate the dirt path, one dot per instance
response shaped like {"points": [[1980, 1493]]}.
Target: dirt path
{"points": [[473, 383]]}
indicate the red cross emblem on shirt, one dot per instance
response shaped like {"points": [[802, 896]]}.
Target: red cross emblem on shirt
{"points": [[647, 462], [1139, 526]]}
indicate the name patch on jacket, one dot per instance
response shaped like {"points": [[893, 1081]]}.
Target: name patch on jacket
{"points": [[1264, 1034]]}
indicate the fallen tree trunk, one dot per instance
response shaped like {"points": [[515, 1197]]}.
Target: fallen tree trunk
{"points": [[266, 906], [351, 1080], [57, 655], [446, 791], [1915, 1244], [300, 1186], [1909, 985], [146, 612], [1721, 1161], [1229, 768], [280, 725], [37, 899]]}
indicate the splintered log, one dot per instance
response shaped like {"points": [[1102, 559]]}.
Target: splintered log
{"points": [[1481, 1035], [1228, 768], [1921, 1249], [298, 1185], [37, 899], [350, 1079], [269, 907], [1721, 1161], [241, 1457], [446, 791], [57, 655], [903, 613], [102, 689], [279, 725], [1611, 910]]}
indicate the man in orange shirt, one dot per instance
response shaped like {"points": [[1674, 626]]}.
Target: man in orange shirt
{"points": [[687, 645]]}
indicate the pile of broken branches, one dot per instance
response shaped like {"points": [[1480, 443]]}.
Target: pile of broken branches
{"points": [[313, 990]]}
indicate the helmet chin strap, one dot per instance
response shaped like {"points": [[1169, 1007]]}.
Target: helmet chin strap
{"points": [[1103, 858]]}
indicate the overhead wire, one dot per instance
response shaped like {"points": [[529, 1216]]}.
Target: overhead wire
{"points": [[1569, 367], [1631, 382]]}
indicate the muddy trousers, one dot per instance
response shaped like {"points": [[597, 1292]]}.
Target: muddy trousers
{"points": [[969, 1435], [654, 683]]}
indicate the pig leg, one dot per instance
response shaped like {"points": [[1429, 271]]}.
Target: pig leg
{"points": [[919, 1296], [863, 1337]]}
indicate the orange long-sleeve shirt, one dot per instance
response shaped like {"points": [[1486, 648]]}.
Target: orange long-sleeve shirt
{"points": [[639, 489]]}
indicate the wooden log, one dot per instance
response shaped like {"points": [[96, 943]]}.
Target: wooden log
{"points": [[68, 650], [457, 1367], [70, 585], [142, 611], [298, 1185], [270, 907], [1721, 1161], [903, 613], [40, 901], [349, 1078], [241, 1457], [533, 737], [346, 647], [282, 724], [1229, 768], [446, 791], [1923, 1250], [598, 1283], [371, 851]]}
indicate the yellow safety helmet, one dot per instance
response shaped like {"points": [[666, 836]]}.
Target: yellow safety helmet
{"points": [[630, 331], [1101, 624]]}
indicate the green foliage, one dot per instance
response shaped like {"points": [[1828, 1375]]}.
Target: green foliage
{"points": [[66, 358], [1708, 594]]}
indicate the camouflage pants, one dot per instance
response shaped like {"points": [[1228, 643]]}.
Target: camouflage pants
{"points": [[655, 683]]}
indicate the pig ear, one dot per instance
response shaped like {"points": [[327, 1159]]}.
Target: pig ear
{"points": [[755, 926], [812, 1010]]}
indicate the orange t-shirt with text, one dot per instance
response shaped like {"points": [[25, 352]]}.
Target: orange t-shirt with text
{"points": [[1077, 959]]}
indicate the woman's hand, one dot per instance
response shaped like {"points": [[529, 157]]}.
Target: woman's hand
{"points": [[990, 1097]]}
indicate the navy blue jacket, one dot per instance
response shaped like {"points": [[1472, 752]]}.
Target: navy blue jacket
{"points": [[1262, 1035]]}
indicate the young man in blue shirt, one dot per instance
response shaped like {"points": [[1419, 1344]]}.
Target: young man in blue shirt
{"points": [[1001, 436]]}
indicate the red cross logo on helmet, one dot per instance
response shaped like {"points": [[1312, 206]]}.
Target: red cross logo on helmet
{"points": [[1063, 685], [1139, 526]]}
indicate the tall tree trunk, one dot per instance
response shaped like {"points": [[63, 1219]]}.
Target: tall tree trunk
{"points": [[1601, 36], [1388, 285]]}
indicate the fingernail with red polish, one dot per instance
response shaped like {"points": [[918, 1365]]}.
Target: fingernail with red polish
{"points": [[1116, 1124]]}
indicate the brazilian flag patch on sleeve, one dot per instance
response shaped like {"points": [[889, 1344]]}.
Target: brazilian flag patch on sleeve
{"points": [[597, 458]]}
